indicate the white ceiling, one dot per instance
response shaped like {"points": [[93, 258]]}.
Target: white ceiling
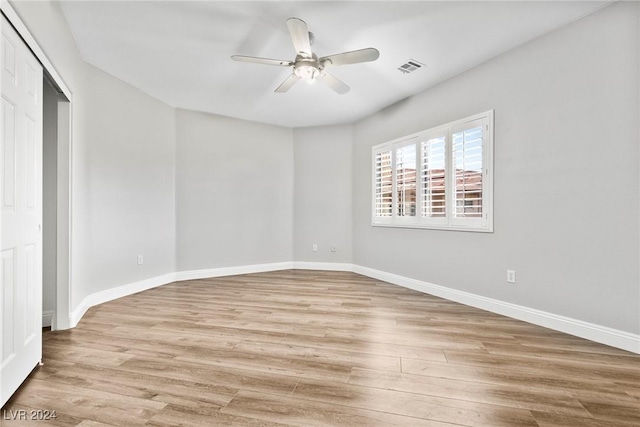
{"points": [[179, 51]]}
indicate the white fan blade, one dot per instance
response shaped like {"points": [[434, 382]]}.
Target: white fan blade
{"points": [[265, 61], [353, 57], [300, 36], [286, 85], [334, 83]]}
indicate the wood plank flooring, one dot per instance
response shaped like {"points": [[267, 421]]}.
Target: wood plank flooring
{"points": [[314, 349]]}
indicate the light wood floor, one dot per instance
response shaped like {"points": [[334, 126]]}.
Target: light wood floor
{"points": [[305, 348]]}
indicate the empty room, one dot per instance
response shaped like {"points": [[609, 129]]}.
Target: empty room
{"points": [[320, 213]]}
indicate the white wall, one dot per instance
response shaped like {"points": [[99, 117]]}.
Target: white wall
{"points": [[234, 192], [130, 187], [322, 213], [566, 176]]}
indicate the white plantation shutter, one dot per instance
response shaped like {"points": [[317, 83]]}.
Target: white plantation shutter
{"points": [[383, 176], [432, 166], [439, 178], [406, 180], [467, 160]]}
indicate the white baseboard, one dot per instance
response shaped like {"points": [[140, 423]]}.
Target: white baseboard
{"points": [[47, 318], [327, 266], [602, 334], [153, 282], [232, 271], [118, 292]]}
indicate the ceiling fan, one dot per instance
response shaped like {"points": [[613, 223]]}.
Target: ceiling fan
{"points": [[306, 65]]}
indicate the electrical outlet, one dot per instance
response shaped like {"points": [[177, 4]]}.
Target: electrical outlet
{"points": [[315, 247], [511, 276], [140, 259], [333, 248]]}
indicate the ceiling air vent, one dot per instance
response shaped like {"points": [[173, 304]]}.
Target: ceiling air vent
{"points": [[410, 66]]}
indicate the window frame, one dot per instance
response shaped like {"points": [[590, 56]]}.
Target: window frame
{"points": [[449, 221]]}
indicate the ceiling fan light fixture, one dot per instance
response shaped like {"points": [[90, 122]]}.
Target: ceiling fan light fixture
{"points": [[306, 70]]}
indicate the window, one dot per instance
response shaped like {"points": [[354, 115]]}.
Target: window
{"points": [[438, 178]]}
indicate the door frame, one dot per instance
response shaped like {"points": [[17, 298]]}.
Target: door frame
{"points": [[62, 318]]}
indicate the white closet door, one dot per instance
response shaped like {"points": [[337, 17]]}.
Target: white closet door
{"points": [[21, 206]]}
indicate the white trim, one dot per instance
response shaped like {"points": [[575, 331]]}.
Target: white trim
{"points": [[23, 31], [601, 334], [153, 282], [232, 271], [47, 318], [64, 222], [327, 266], [117, 292]]}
